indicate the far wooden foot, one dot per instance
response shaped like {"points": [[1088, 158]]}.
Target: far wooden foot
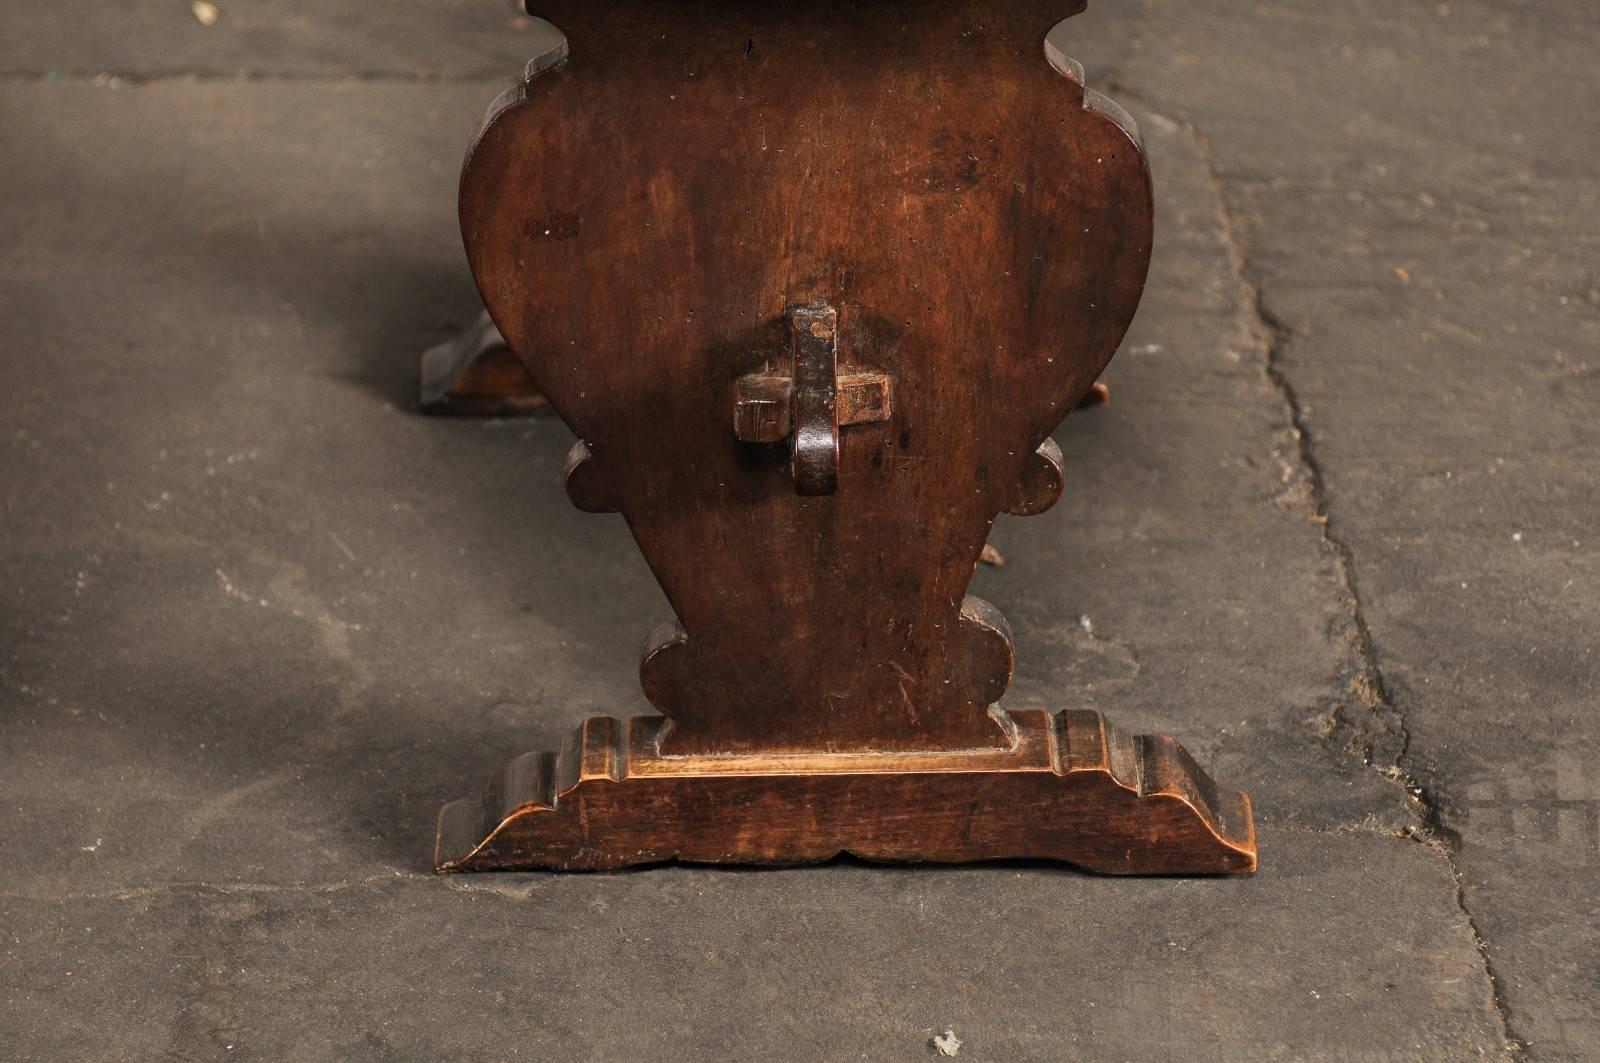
{"points": [[1070, 789], [477, 375]]}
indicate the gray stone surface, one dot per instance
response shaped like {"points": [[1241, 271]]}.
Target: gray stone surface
{"points": [[260, 619], [840, 962], [271, 38], [1415, 193]]}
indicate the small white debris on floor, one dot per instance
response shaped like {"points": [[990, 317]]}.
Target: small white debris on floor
{"points": [[947, 1043], [1087, 625], [204, 13]]}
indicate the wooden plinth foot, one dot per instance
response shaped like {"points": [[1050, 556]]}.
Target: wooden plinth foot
{"points": [[476, 375], [1070, 788]]}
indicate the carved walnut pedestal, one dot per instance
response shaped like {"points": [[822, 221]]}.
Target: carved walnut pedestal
{"points": [[813, 284]]}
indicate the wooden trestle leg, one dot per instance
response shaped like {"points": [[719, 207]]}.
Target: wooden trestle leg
{"points": [[813, 284]]}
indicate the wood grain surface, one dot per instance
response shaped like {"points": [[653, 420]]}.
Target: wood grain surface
{"points": [[643, 217], [1070, 788], [813, 286]]}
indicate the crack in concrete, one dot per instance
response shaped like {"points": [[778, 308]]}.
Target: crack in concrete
{"points": [[1367, 682], [1383, 734], [1432, 832]]}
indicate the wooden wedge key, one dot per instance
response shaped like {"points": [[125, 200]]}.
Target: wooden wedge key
{"points": [[813, 284]]}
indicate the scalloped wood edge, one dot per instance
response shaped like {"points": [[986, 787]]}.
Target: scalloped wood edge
{"points": [[1070, 788]]}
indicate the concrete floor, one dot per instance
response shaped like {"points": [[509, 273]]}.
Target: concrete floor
{"points": [[1336, 532]]}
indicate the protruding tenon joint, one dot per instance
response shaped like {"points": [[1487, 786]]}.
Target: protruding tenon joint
{"points": [[809, 404]]}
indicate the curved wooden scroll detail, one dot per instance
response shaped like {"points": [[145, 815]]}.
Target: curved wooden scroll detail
{"points": [[643, 218]]}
